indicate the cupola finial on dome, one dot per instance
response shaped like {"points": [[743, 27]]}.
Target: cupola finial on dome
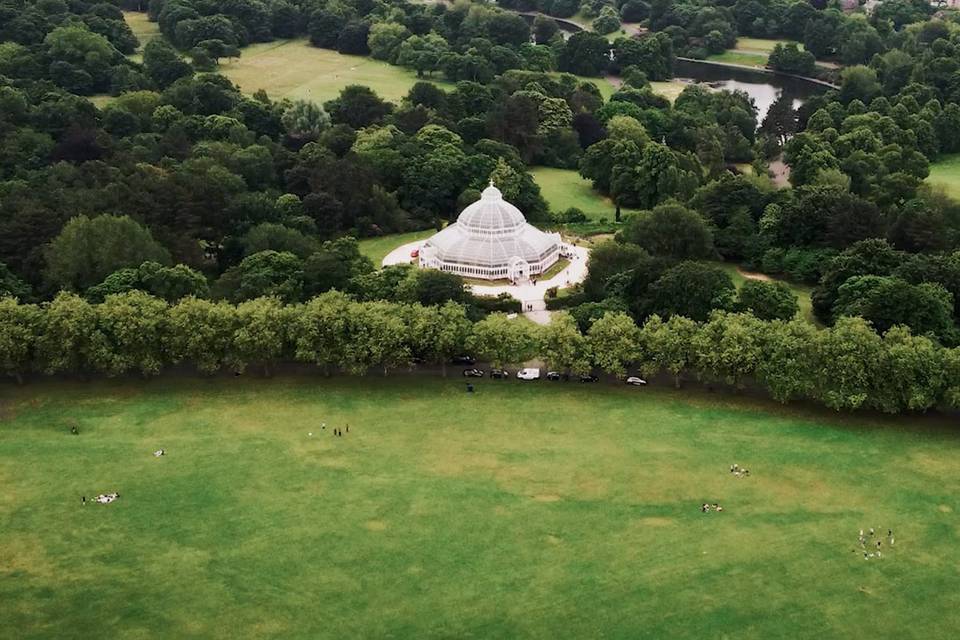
{"points": [[491, 193]]}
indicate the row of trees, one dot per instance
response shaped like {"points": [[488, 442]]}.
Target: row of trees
{"points": [[846, 367]]}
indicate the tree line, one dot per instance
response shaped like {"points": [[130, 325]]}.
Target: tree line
{"points": [[846, 367]]}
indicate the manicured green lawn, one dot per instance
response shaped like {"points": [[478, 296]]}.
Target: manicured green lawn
{"points": [[377, 248], [294, 69], [740, 57], [565, 188], [539, 510], [945, 173], [750, 52], [762, 45]]}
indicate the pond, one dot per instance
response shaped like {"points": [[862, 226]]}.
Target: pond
{"points": [[777, 95]]}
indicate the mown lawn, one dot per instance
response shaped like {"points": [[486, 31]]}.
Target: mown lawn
{"points": [[945, 173], [750, 52], [746, 59], [565, 188], [377, 248], [294, 69], [539, 510], [762, 45]]}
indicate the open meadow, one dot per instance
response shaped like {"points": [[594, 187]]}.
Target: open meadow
{"points": [[537, 510], [295, 69]]}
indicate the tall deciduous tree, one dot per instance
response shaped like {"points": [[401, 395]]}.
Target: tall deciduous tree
{"points": [[320, 329], [789, 366], [693, 290], [849, 359], [729, 347], [89, 249], [261, 333], [502, 341], [670, 230], [68, 335], [201, 333], [614, 343], [562, 345], [438, 333], [19, 328], [767, 300], [133, 327]]}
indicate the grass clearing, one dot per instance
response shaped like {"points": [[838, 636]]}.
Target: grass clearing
{"points": [[762, 45], [802, 291], [537, 510], [945, 173], [670, 89], [741, 58], [606, 87], [295, 69], [565, 188], [377, 248], [142, 27]]}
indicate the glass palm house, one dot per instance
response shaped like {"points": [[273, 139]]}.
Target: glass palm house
{"points": [[491, 240]]}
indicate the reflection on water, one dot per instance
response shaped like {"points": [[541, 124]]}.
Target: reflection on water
{"points": [[774, 95]]}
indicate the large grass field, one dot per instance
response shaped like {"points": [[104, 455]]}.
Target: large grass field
{"points": [[945, 173], [542, 510], [294, 69]]}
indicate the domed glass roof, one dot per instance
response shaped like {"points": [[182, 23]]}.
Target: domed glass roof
{"points": [[491, 215], [490, 233]]}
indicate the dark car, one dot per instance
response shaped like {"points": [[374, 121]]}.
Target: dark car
{"points": [[467, 360], [472, 373], [553, 376], [499, 373], [589, 377]]}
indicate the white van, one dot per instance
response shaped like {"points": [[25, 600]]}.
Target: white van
{"points": [[528, 374]]}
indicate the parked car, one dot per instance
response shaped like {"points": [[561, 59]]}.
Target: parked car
{"points": [[589, 377], [635, 381], [472, 373], [467, 360], [499, 373], [553, 376], [528, 374], [415, 253]]}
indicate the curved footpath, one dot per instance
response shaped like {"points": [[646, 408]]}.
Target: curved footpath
{"points": [[527, 293]]}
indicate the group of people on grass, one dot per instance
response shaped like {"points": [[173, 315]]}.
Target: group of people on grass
{"points": [[336, 430], [736, 470], [103, 498], [867, 543]]}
